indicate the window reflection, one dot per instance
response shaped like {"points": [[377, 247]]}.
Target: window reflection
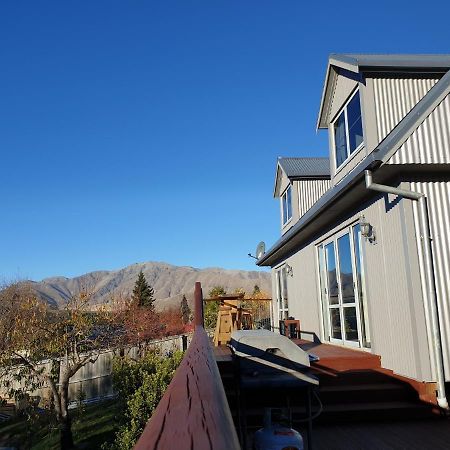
{"points": [[332, 276], [345, 269]]}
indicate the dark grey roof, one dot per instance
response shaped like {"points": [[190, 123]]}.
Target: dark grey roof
{"points": [[349, 183], [359, 62], [305, 167], [362, 60]]}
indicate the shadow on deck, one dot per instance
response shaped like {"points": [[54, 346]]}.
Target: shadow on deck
{"points": [[364, 405]]}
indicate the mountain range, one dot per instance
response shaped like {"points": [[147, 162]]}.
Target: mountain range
{"points": [[169, 282]]}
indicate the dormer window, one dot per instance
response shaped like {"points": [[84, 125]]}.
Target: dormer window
{"points": [[347, 130], [286, 205]]}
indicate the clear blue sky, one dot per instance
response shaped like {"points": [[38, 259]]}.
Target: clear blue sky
{"points": [[142, 130]]}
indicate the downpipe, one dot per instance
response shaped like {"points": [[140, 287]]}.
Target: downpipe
{"points": [[430, 280]]}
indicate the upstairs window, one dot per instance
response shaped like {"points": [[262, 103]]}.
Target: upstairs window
{"points": [[347, 130], [286, 205]]}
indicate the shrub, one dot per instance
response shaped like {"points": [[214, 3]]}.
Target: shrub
{"points": [[140, 386]]}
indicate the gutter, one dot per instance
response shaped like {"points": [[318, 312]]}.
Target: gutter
{"points": [[426, 265]]}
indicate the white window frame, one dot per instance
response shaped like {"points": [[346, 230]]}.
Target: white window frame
{"points": [[343, 110], [288, 210]]}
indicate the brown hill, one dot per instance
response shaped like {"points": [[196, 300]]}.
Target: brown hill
{"points": [[169, 283]]}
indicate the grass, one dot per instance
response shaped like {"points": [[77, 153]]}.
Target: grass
{"points": [[94, 427]]}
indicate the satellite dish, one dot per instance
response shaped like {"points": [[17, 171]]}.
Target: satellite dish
{"points": [[260, 249]]}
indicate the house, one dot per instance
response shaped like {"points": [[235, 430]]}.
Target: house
{"points": [[364, 255]]}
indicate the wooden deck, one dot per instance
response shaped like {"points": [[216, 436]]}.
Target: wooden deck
{"points": [[364, 405], [336, 359]]}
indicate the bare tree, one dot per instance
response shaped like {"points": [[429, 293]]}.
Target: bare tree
{"points": [[31, 331]]}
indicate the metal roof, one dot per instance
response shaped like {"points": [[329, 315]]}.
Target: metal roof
{"points": [[358, 61], [380, 155], [355, 62], [305, 167]]}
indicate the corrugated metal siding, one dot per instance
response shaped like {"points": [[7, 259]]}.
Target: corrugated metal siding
{"points": [[438, 195], [309, 191], [430, 143], [304, 303], [395, 302], [395, 97], [394, 298]]}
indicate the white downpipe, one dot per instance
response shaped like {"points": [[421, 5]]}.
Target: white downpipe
{"points": [[431, 287]]}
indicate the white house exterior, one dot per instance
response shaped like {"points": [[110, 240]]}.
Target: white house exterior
{"points": [[352, 262]]}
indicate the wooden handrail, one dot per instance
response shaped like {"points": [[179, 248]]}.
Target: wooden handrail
{"points": [[194, 412]]}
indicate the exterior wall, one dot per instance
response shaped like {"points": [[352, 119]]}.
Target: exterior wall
{"points": [[430, 143], [308, 192], [394, 98], [395, 302], [438, 195], [394, 299]]}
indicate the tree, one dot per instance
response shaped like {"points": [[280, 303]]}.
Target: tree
{"points": [[256, 291], [212, 308], [172, 322], [30, 332], [185, 311], [142, 292]]}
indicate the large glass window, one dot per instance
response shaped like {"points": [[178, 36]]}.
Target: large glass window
{"points": [[286, 204], [347, 130]]}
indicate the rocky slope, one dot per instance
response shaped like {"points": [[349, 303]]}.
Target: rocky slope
{"points": [[169, 283]]}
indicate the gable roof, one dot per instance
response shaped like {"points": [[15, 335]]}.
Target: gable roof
{"points": [[358, 63], [302, 168], [352, 181], [305, 167]]}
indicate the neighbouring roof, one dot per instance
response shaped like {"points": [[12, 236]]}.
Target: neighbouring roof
{"points": [[358, 63], [305, 167], [314, 218]]}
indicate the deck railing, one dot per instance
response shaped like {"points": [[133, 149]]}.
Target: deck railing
{"points": [[194, 412]]}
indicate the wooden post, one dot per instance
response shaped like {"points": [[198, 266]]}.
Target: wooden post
{"points": [[198, 313]]}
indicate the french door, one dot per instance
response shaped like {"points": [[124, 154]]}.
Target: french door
{"points": [[282, 294], [345, 318]]}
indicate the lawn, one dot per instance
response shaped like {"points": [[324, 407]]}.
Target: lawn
{"points": [[93, 428]]}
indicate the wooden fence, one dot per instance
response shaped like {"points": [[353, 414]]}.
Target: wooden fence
{"points": [[194, 412]]}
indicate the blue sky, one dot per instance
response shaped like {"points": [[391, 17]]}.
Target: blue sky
{"points": [[140, 130]]}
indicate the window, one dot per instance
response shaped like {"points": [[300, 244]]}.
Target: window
{"points": [[347, 130], [286, 205]]}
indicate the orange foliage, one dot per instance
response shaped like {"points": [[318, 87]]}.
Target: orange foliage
{"points": [[141, 324], [172, 322]]}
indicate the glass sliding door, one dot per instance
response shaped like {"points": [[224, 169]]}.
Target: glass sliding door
{"points": [[282, 294], [341, 287]]}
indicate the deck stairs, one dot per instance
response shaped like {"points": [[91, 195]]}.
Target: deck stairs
{"points": [[353, 387]]}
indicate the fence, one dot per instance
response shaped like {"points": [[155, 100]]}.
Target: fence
{"points": [[94, 380]]}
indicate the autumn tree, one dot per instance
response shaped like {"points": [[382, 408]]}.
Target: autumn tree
{"points": [[30, 332], [143, 292], [172, 322], [185, 311]]}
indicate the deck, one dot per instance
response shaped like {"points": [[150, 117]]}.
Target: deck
{"points": [[365, 406]]}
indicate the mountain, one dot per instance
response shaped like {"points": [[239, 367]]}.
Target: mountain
{"points": [[169, 283]]}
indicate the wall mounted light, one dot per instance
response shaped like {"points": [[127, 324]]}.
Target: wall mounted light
{"points": [[289, 270], [367, 230]]}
